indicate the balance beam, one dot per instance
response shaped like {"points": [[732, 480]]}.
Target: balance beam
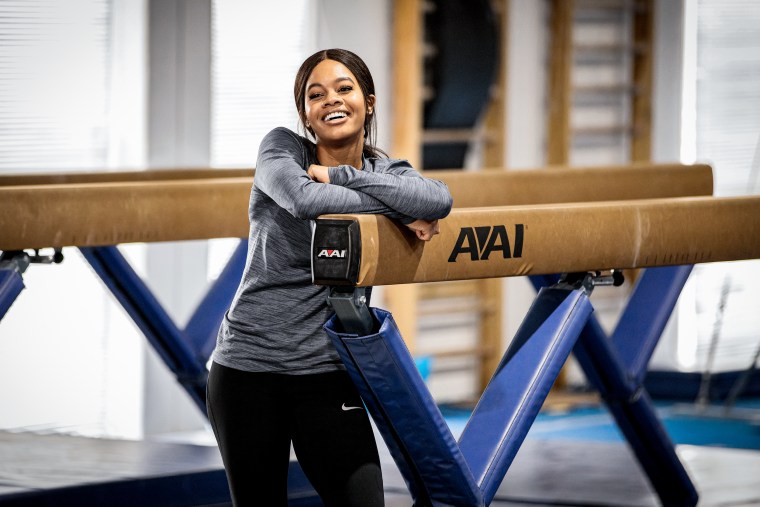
{"points": [[96, 214], [590, 184], [365, 250], [8, 180], [501, 187], [81, 209]]}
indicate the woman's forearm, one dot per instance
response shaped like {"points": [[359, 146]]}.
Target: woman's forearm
{"points": [[409, 194]]}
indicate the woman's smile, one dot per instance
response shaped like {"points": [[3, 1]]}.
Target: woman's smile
{"points": [[336, 118]]}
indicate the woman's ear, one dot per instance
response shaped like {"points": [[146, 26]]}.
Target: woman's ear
{"points": [[370, 104]]}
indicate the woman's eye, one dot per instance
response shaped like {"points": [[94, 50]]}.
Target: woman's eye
{"points": [[315, 95], [346, 88]]}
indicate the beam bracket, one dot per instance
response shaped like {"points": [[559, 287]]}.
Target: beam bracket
{"points": [[589, 279], [351, 307]]}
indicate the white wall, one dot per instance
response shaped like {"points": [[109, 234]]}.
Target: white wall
{"points": [[526, 124], [179, 123], [667, 105]]}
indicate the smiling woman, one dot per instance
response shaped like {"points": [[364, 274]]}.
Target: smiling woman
{"points": [[350, 81], [337, 110], [275, 377]]}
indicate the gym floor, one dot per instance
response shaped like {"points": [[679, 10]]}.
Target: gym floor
{"points": [[573, 457]]}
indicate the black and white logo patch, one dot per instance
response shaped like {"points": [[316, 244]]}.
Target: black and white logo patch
{"points": [[331, 253]]}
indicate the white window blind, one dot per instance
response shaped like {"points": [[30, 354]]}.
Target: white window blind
{"points": [[725, 323], [53, 81], [728, 91], [257, 49]]}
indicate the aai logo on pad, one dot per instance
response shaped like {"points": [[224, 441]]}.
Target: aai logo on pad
{"points": [[331, 253], [481, 242]]}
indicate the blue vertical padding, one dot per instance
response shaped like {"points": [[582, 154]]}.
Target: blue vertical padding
{"points": [[609, 379], [11, 285], [518, 388], [381, 418], [640, 326], [406, 415]]}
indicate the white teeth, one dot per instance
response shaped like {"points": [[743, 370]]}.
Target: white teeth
{"points": [[334, 115]]}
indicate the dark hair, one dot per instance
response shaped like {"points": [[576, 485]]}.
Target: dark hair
{"points": [[359, 69]]}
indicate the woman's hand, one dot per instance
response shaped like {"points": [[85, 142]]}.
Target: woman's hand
{"points": [[319, 173], [423, 229]]}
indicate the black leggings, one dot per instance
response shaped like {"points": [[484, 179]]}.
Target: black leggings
{"points": [[255, 416]]}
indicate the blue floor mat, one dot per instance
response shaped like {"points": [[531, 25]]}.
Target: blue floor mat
{"points": [[683, 423]]}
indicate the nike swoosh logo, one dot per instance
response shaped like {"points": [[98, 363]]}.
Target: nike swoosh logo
{"points": [[346, 409]]}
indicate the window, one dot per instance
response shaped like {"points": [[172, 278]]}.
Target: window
{"points": [[257, 49], [722, 128], [53, 85]]}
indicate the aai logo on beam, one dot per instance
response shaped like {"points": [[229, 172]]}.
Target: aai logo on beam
{"points": [[331, 253], [481, 242]]}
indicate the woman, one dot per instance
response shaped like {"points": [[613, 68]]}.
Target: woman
{"points": [[275, 377]]}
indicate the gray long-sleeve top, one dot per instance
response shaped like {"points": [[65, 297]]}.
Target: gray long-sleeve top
{"points": [[275, 321]]}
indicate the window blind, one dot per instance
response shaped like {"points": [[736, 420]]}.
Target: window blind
{"points": [[728, 91], [53, 84], [727, 136]]}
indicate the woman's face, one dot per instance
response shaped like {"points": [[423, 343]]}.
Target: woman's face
{"points": [[335, 106]]}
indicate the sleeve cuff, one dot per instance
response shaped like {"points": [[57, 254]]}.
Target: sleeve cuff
{"points": [[337, 175]]}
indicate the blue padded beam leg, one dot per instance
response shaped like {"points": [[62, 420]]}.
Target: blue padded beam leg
{"points": [[11, 285], [407, 415], [382, 420], [619, 377], [634, 413], [151, 318], [640, 326], [518, 388]]}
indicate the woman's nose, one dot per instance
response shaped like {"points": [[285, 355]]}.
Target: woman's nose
{"points": [[332, 99]]}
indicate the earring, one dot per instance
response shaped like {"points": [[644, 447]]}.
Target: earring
{"points": [[308, 125], [369, 111]]}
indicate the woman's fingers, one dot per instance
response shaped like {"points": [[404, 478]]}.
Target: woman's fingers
{"points": [[319, 173], [424, 230]]}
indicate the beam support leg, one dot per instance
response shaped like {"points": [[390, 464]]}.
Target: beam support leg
{"points": [[617, 367], [630, 405], [518, 388], [644, 319], [405, 413]]}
